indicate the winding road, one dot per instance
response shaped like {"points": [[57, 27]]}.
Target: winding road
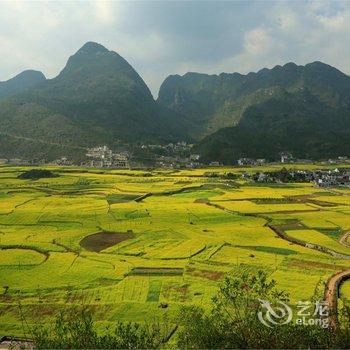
{"points": [[331, 296], [344, 239], [332, 287]]}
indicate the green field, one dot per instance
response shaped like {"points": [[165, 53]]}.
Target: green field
{"points": [[179, 241]]}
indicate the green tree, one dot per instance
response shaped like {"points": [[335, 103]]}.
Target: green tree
{"points": [[233, 323], [75, 330]]}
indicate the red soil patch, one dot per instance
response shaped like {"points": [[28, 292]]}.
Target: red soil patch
{"points": [[313, 264], [177, 293], [210, 275], [102, 240]]}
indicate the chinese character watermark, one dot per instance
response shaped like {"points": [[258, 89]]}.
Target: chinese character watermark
{"points": [[307, 314]]}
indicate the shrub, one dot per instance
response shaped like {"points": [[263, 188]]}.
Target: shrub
{"points": [[232, 323], [75, 330], [36, 174]]}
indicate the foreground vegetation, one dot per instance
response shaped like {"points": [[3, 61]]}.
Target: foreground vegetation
{"points": [[232, 323], [138, 246]]}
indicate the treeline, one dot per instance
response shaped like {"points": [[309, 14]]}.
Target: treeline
{"points": [[36, 174], [283, 176]]}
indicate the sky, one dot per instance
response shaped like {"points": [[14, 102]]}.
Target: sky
{"points": [[159, 38]]}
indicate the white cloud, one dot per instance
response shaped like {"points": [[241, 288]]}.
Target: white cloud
{"points": [[336, 22], [257, 41], [105, 12], [161, 38]]}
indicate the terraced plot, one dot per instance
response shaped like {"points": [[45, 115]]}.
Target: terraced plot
{"points": [[125, 241], [316, 237]]}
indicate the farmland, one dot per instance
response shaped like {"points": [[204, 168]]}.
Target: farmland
{"points": [[126, 242]]}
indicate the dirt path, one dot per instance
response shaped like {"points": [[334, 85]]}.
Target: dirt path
{"points": [[344, 239], [331, 295], [278, 231], [15, 343]]}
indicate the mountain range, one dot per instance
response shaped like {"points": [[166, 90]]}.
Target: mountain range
{"points": [[301, 109], [98, 98]]}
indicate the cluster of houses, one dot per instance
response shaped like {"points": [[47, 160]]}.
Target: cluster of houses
{"points": [[322, 178], [249, 161], [332, 178], [170, 148], [178, 162], [179, 155], [63, 161], [286, 158], [104, 157], [173, 155]]}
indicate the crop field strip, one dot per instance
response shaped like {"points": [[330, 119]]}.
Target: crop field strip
{"points": [[183, 232]]}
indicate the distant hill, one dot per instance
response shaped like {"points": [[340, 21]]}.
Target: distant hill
{"points": [[98, 98], [20, 82], [301, 109], [298, 124]]}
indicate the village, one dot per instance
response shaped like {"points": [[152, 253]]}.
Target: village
{"points": [[339, 177], [180, 156]]}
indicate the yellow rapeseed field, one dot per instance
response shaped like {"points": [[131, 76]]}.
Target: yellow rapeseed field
{"points": [[125, 241]]}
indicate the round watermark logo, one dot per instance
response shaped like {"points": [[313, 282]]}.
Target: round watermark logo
{"points": [[307, 314], [274, 315]]}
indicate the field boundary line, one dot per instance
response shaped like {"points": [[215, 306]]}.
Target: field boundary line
{"points": [[25, 247], [283, 235], [317, 247]]}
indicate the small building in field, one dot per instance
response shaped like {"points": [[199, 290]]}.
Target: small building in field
{"points": [[286, 157], [245, 161], [215, 164]]}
